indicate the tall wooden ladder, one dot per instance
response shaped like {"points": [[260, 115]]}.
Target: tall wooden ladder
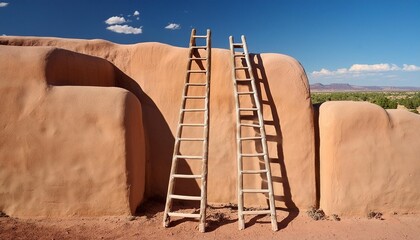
{"points": [[197, 76], [241, 62]]}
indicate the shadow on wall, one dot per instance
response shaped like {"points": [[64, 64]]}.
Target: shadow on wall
{"points": [[267, 102], [159, 144], [317, 153]]}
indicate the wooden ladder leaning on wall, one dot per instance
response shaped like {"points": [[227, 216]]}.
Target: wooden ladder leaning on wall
{"points": [[242, 59], [203, 76]]}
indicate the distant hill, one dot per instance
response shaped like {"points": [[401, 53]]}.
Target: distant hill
{"points": [[345, 87]]}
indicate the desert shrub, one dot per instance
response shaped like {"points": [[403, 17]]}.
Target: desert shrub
{"points": [[384, 102], [316, 214], [387, 100], [218, 217], [374, 215]]}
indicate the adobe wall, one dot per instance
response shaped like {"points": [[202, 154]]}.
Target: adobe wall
{"points": [[159, 71], [66, 150], [369, 159]]}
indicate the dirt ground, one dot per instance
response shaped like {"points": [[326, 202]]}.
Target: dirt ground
{"points": [[222, 224]]}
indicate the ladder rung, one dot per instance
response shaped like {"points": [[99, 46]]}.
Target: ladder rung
{"points": [[199, 36], [198, 58], [193, 124], [185, 215], [194, 110], [244, 80], [248, 109], [239, 55], [191, 139], [189, 157], [255, 190], [195, 97], [237, 44], [196, 71], [199, 47], [185, 197], [251, 138], [252, 154], [253, 171], [244, 93], [196, 84], [249, 125], [240, 68], [186, 176], [256, 212]]}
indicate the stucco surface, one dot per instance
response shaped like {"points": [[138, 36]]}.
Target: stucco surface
{"points": [[369, 159], [155, 74], [66, 150]]}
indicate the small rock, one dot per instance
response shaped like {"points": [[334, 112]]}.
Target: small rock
{"points": [[375, 215], [2, 214], [336, 217]]}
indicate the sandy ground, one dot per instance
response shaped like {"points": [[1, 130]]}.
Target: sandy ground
{"points": [[222, 224]]}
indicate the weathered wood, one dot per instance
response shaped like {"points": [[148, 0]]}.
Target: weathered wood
{"points": [[193, 49], [184, 215], [257, 212], [185, 197], [241, 221], [253, 154], [194, 110], [254, 171], [253, 94], [186, 176], [244, 93], [203, 203], [189, 157], [250, 138]]}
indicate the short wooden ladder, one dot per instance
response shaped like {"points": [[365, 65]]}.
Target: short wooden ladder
{"points": [[197, 76], [241, 62]]}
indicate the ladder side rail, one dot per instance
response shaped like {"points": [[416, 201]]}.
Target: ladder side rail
{"points": [[241, 222], [192, 38], [203, 203]]}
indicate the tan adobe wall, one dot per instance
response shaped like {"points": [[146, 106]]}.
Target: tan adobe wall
{"points": [[370, 159], [67, 150]]}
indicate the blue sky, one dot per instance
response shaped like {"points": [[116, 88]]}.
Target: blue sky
{"points": [[359, 42]]}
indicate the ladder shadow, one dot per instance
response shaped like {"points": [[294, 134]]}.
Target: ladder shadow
{"points": [[159, 141], [257, 219], [257, 144], [198, 63], [267, 103]]}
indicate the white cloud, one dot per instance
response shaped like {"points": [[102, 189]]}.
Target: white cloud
{"points": [[365, 69], [381, 67], [322, 72], [410, 68], [125, 29], [3, 4], [115, 20], [173, 26], [136, 13]]}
